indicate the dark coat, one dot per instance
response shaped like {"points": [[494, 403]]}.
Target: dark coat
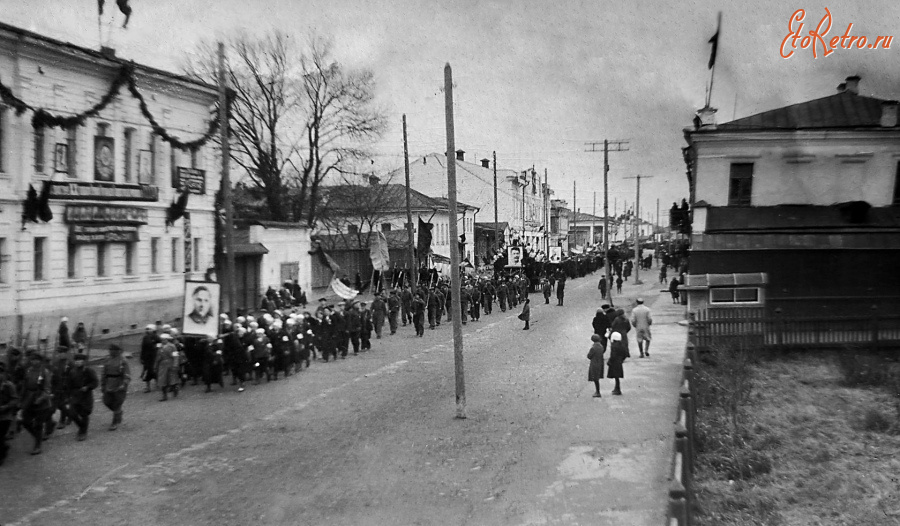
{"points": [[80, 385], [617, 354], [526, 312], [600, 324], [595, 355]]}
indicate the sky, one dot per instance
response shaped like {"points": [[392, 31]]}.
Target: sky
{"points": [[534, 80]]}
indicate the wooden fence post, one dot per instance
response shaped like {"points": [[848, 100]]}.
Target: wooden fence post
{"points": [[779, 329], [687, 406]]}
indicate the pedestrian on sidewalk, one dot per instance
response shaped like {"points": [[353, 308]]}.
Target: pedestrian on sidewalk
{"points": [[621, 325], [673, 289], [601, 323], [602, 287], [114, 384], [526, 313], [617, 354], [595, 355], [641, 320], [619, 284]]}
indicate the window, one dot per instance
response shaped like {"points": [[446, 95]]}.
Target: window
{"points": [[154, 255], [173, 161], [196, 254], [734, 295], [4, 260], [352, 229], [174, 254], [72, 142], [73, 260], [152, 148], [195, 158], [896, 200], [385, 227], [40, 245], [129, 258], [39, 147], [101, 259], [740, 183], [128, 153]]}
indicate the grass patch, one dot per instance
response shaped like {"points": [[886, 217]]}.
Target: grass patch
{"points": [[812, 440]]}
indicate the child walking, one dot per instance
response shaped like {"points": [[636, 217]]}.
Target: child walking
{"points": [[595, 355]]}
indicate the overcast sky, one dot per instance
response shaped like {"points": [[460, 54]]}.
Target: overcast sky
{"points": [[534, 79]]}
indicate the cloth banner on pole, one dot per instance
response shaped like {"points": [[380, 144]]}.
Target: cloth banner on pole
{"points": [[379, 253], [342, 290]]}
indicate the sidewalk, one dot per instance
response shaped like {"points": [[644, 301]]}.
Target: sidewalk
{"points": [[619, 448]]}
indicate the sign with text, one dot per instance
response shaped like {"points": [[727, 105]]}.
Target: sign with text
{"points": [[79, 234], [106, 214], [103, 191], [192, 180]]}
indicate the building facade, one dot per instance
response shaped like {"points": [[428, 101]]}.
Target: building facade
{"points": [[107, 257], [797, 208]]}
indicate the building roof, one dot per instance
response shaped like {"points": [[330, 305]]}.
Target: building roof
{"points": [[396, 239], [392, 198], [503, 225], [801, 218], [841, 110], [101, 56]]}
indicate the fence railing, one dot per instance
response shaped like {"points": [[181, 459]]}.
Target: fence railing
{"points": [[781, 331], [681, 496]]}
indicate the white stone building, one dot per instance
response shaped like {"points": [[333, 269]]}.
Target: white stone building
{"points": [[107, 257]]}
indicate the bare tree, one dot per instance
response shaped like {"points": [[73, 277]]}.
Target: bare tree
{"points": [[292, 105], [364, 207]]}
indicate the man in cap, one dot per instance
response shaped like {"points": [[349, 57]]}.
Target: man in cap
{"points": [[354, 326], [641, 320], [9, 405], [80, 384], [149, 346], [379, 313], [166, 367], [393, 306], [365, 333], [114, 384]]}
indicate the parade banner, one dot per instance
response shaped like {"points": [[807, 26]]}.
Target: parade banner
{"points": [[342, 290], [106, 214], [514, 256], [379, 253], [81, 234], [201, 300]]}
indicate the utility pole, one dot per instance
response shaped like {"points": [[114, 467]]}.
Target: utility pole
{"points": [[409, 225], [593, 217], [454, 248], [574, 218], [637, 230], [619, 147], [226, 185], [496, 227], [546, 217]]}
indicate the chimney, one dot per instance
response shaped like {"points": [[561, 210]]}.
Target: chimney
{"points": [[889, 113], [486, 163], [853, 84], [460, 155], [108, 52], [842, 87]]}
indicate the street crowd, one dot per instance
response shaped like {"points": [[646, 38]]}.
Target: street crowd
{"points": [[41, 393]]}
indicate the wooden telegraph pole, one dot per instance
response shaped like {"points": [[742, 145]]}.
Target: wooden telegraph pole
{"points": [[454, 248], [226, 185], [618, 148], [637, 229], [496, 227], [413, 270]]}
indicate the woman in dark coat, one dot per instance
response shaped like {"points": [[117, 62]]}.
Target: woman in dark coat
{"points": [[621, 325], [526, 314], [617, 355], [595, 355], [601, 323]]}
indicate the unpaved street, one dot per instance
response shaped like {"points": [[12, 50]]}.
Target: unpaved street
{"points": [[372, 439]]}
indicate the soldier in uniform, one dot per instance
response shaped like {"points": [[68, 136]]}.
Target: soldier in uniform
{"points": [[114, 384], [406, 299], [80, 384], [419, 314], [393, 304], [36, 399], [9, 405], [501, 295], [379, 313]]}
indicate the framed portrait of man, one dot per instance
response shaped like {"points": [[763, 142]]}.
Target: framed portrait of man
{"points": [[555, 254], [514, 256], [61, 158], [104, 159], [201, 305]]}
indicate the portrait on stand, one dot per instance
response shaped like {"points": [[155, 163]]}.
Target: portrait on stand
{"points": [[201, 302]]}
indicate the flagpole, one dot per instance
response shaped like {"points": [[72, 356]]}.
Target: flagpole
{"points": [[712, 73]]}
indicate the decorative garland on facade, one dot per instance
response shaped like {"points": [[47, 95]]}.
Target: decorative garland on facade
{"points": [[43, 118]]}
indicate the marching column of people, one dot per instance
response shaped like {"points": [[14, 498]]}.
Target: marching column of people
{"points": [[277, 342]]}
